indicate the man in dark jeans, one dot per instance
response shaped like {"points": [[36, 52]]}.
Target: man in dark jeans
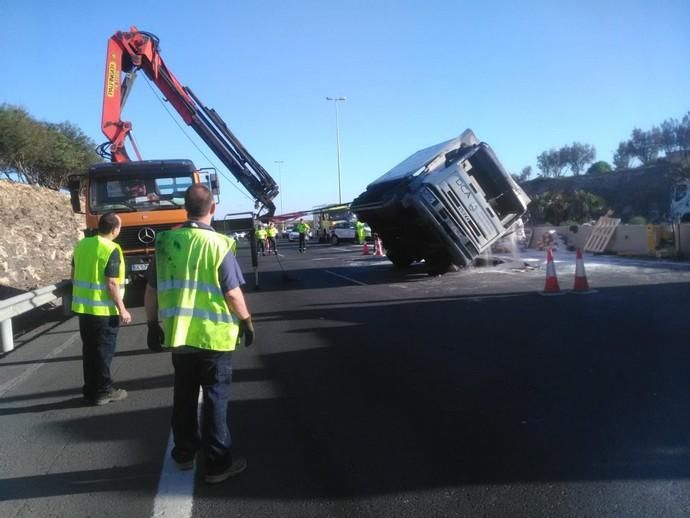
{"points": [[195, 285], [98, 275]]}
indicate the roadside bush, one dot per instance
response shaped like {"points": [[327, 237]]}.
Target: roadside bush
{"points": [[573, 207]]}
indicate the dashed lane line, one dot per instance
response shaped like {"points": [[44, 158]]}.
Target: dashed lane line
{"points": [[9, 385], [346, 278]]}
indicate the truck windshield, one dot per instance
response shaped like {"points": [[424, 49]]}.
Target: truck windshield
{"points": [[126, 193]]}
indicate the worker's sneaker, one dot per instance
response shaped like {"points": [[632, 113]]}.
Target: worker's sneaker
{"points": [[215, 475], [184, 460], [113, 395]]}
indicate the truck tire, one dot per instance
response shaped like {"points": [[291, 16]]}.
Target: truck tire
{"points": [[400, 259], [438, 262]]}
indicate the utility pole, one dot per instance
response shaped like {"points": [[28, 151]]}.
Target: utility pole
{"points": [[337, 140]]}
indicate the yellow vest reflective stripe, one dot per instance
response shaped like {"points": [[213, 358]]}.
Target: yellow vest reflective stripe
{"points": [[90, 287], [190, 299]]}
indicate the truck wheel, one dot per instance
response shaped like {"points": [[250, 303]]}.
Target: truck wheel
{"points": [[438, 262], [334, 240], [399, 259]]}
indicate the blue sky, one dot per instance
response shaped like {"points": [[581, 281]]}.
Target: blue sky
{"points": [[525, 76]]}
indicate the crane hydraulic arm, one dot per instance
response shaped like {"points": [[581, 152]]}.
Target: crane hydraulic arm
{"points": [[136, 50]]}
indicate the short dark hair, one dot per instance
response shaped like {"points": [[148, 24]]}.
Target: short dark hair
{"points": [[108, 222], [198, 200]]}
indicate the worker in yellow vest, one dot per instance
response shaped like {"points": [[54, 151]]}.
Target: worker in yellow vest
{"points": [[272, 234], [98, 280], [361, 232], [261, 236], [194, 286], [302, 229]]}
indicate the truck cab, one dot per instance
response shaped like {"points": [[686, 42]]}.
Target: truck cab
{"points": [[148, 196], [445, 204]]}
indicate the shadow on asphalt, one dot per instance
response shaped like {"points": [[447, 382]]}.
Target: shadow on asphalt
{"points": [[439, 393], [449, 392]]}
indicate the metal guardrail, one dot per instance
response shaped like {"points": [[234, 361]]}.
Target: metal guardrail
{"points": [[24, 302]]}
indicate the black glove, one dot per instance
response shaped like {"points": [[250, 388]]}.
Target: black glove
{"points": [[154, 337], [246, 331]]}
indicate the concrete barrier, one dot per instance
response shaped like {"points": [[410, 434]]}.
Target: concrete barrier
{"points": [[640, 240]]}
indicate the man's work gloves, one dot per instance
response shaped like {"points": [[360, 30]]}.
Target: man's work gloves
{"points": [[154, 337], [246, 331]]}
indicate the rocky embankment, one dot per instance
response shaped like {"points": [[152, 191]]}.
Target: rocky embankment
{"points": [[39, 231]]}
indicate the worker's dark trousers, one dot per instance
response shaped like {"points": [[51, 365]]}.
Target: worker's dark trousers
{"points": [[272, 245], [212, 372], [99, 338], [301, 242]]}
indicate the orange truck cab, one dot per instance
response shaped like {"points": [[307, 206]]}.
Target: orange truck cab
{"points": [[148, 195]]}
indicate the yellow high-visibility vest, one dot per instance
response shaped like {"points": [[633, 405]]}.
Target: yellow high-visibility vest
{"points": [[190, 299], [90, 287]]}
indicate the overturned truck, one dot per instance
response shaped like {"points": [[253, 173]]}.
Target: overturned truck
{"points": [[445, 205]]}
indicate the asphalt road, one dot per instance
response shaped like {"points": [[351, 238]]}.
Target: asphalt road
{"points": [[376, 392]]}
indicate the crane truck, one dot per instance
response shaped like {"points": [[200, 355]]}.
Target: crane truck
{"points": [[148, 195], [445, 205]]}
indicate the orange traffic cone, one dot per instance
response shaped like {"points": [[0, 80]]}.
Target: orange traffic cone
{"points": [[551, 286], [378, 247], [581, 286], [366, 249]]}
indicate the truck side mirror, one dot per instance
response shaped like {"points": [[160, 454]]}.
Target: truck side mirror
{"points": [[74, 186], [215, 186]]}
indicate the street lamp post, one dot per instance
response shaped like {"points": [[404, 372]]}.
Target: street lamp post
{"points": [[337, 140], [280, 180]]}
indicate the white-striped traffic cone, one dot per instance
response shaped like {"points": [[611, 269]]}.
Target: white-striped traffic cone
{"points": [[551, 286], [581, 286]]}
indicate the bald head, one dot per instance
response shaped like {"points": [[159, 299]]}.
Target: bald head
{"points": [[198, 201]]}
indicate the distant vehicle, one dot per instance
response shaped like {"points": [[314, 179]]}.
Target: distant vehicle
{"points": [[293, 235], [345, 231], [286, 233]]}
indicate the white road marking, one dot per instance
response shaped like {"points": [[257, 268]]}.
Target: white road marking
{"points": [[174, 498], [175, 495], [346, 278], [8, 385]]}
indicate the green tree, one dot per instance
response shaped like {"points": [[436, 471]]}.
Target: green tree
{"points": [[683, 133], [644, 145], [41, 153], [668, 135], [578, 156], [599, 167], [623, 157], [552, 162]]}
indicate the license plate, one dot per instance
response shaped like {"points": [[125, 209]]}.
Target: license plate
{"points": [[140, 267]]}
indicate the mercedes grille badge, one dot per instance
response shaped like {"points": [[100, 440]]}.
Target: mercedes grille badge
{"points": [[147, 235]]}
